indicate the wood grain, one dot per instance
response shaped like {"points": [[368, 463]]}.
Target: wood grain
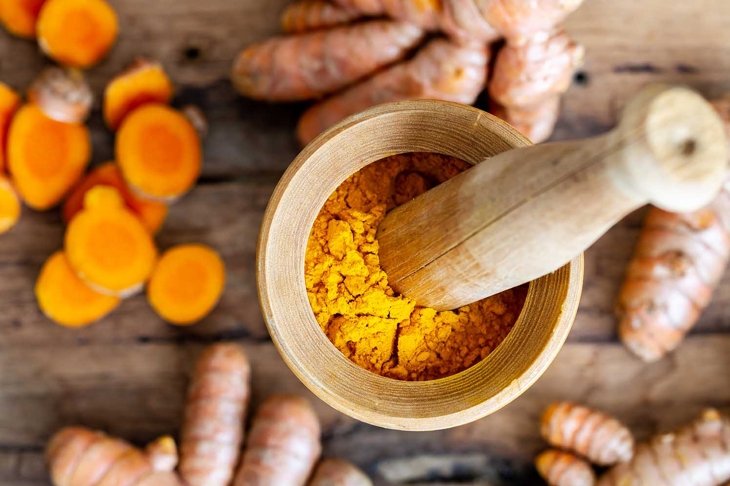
{"points": [[50, 376]]}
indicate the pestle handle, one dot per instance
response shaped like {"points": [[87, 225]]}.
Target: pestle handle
{"points": [[526, 212]]}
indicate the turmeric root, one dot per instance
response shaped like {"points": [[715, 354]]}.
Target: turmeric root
{"points": [[309, 65], [336, 472], [143, 82], [283, 444], [536, 122], [593, 434], [9, 103], [20, 16], [81, 457], [186, 283], [213, 429], [698, 454], [107, 246], [45, 157], [441, 70], [560, 468], [158, 151], [62, 94], [305, 15], [678, 261], [77, 33], [9, 205], [151, 213]]}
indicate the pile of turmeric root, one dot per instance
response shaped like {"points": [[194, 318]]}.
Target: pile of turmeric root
{"points": [[353, 54], [282, 445], [697, 454]]}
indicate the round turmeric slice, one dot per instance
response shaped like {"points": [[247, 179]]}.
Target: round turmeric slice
{"points": [[20, 16], [45, 157], [107, 246], [158, 151], [9, 102], [186, 283], [66, 299], [9, 205], [77, 33]]}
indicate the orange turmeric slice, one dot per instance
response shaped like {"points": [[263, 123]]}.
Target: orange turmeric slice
{"points": [[20, 16], [77, 33], [158, 151], [151, 213], [186, 283], [45, 157], [9, 102], [143, 82], [67, 300], [9, 205], [108, 246], [62, 94]]}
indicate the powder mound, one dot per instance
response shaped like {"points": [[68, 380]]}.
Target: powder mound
{"points": [[364, 318]]}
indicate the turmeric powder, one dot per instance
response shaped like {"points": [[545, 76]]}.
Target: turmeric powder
{"points": [[361, 314]]}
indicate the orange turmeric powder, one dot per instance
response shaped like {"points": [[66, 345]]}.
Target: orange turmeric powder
{"points": [[361, 314]]}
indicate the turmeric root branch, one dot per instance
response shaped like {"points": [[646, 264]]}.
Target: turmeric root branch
{"points": [[62, 94], [306, 15]]}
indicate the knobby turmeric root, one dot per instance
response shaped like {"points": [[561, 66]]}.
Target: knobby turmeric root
{"points": [[78, 456], [309, 65], [283, 444], [20, 16], [9, 205], [45, 157], [143, 82], [441, 70], [62, 94], [77, 33], [593, 434], [107, 246], [9, 103], [336, 472], [560, 468], [152, 214], [186, 283], [158, 151], [698, 454], [305, 15], [678, 261], [214, 416]]}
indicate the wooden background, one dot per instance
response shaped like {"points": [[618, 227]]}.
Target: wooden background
{"points": [[127, 374]]}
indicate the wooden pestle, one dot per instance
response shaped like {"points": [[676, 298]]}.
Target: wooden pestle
{"points": [[526, 212]]}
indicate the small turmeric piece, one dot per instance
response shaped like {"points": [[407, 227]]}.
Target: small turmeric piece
{"points": [[307, 15], [9, 205], [560, 468], [212, 432], [337, 472], [46, 157], [595, 435], [158, 151], [62, 94], [187, 283], [78, 456], [143, 82], [283, 444], [107, 246], [77, 33], [20, 16], [151, 213], [65, 299], [9, 103]]}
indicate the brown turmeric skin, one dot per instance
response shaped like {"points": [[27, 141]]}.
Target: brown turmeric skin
{"points": [[363, 317]]}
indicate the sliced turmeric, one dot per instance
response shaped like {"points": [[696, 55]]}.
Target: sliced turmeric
{"points": [[45, 157], [143, 82], [186, 283], [107, 246], [158, 151], [62, 94], [9, 103], [20, 16], [9, 205], [65, 299], [77, 33], [151, 213]]}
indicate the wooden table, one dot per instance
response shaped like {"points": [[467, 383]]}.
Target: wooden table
{"points": [[128, 373]]}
